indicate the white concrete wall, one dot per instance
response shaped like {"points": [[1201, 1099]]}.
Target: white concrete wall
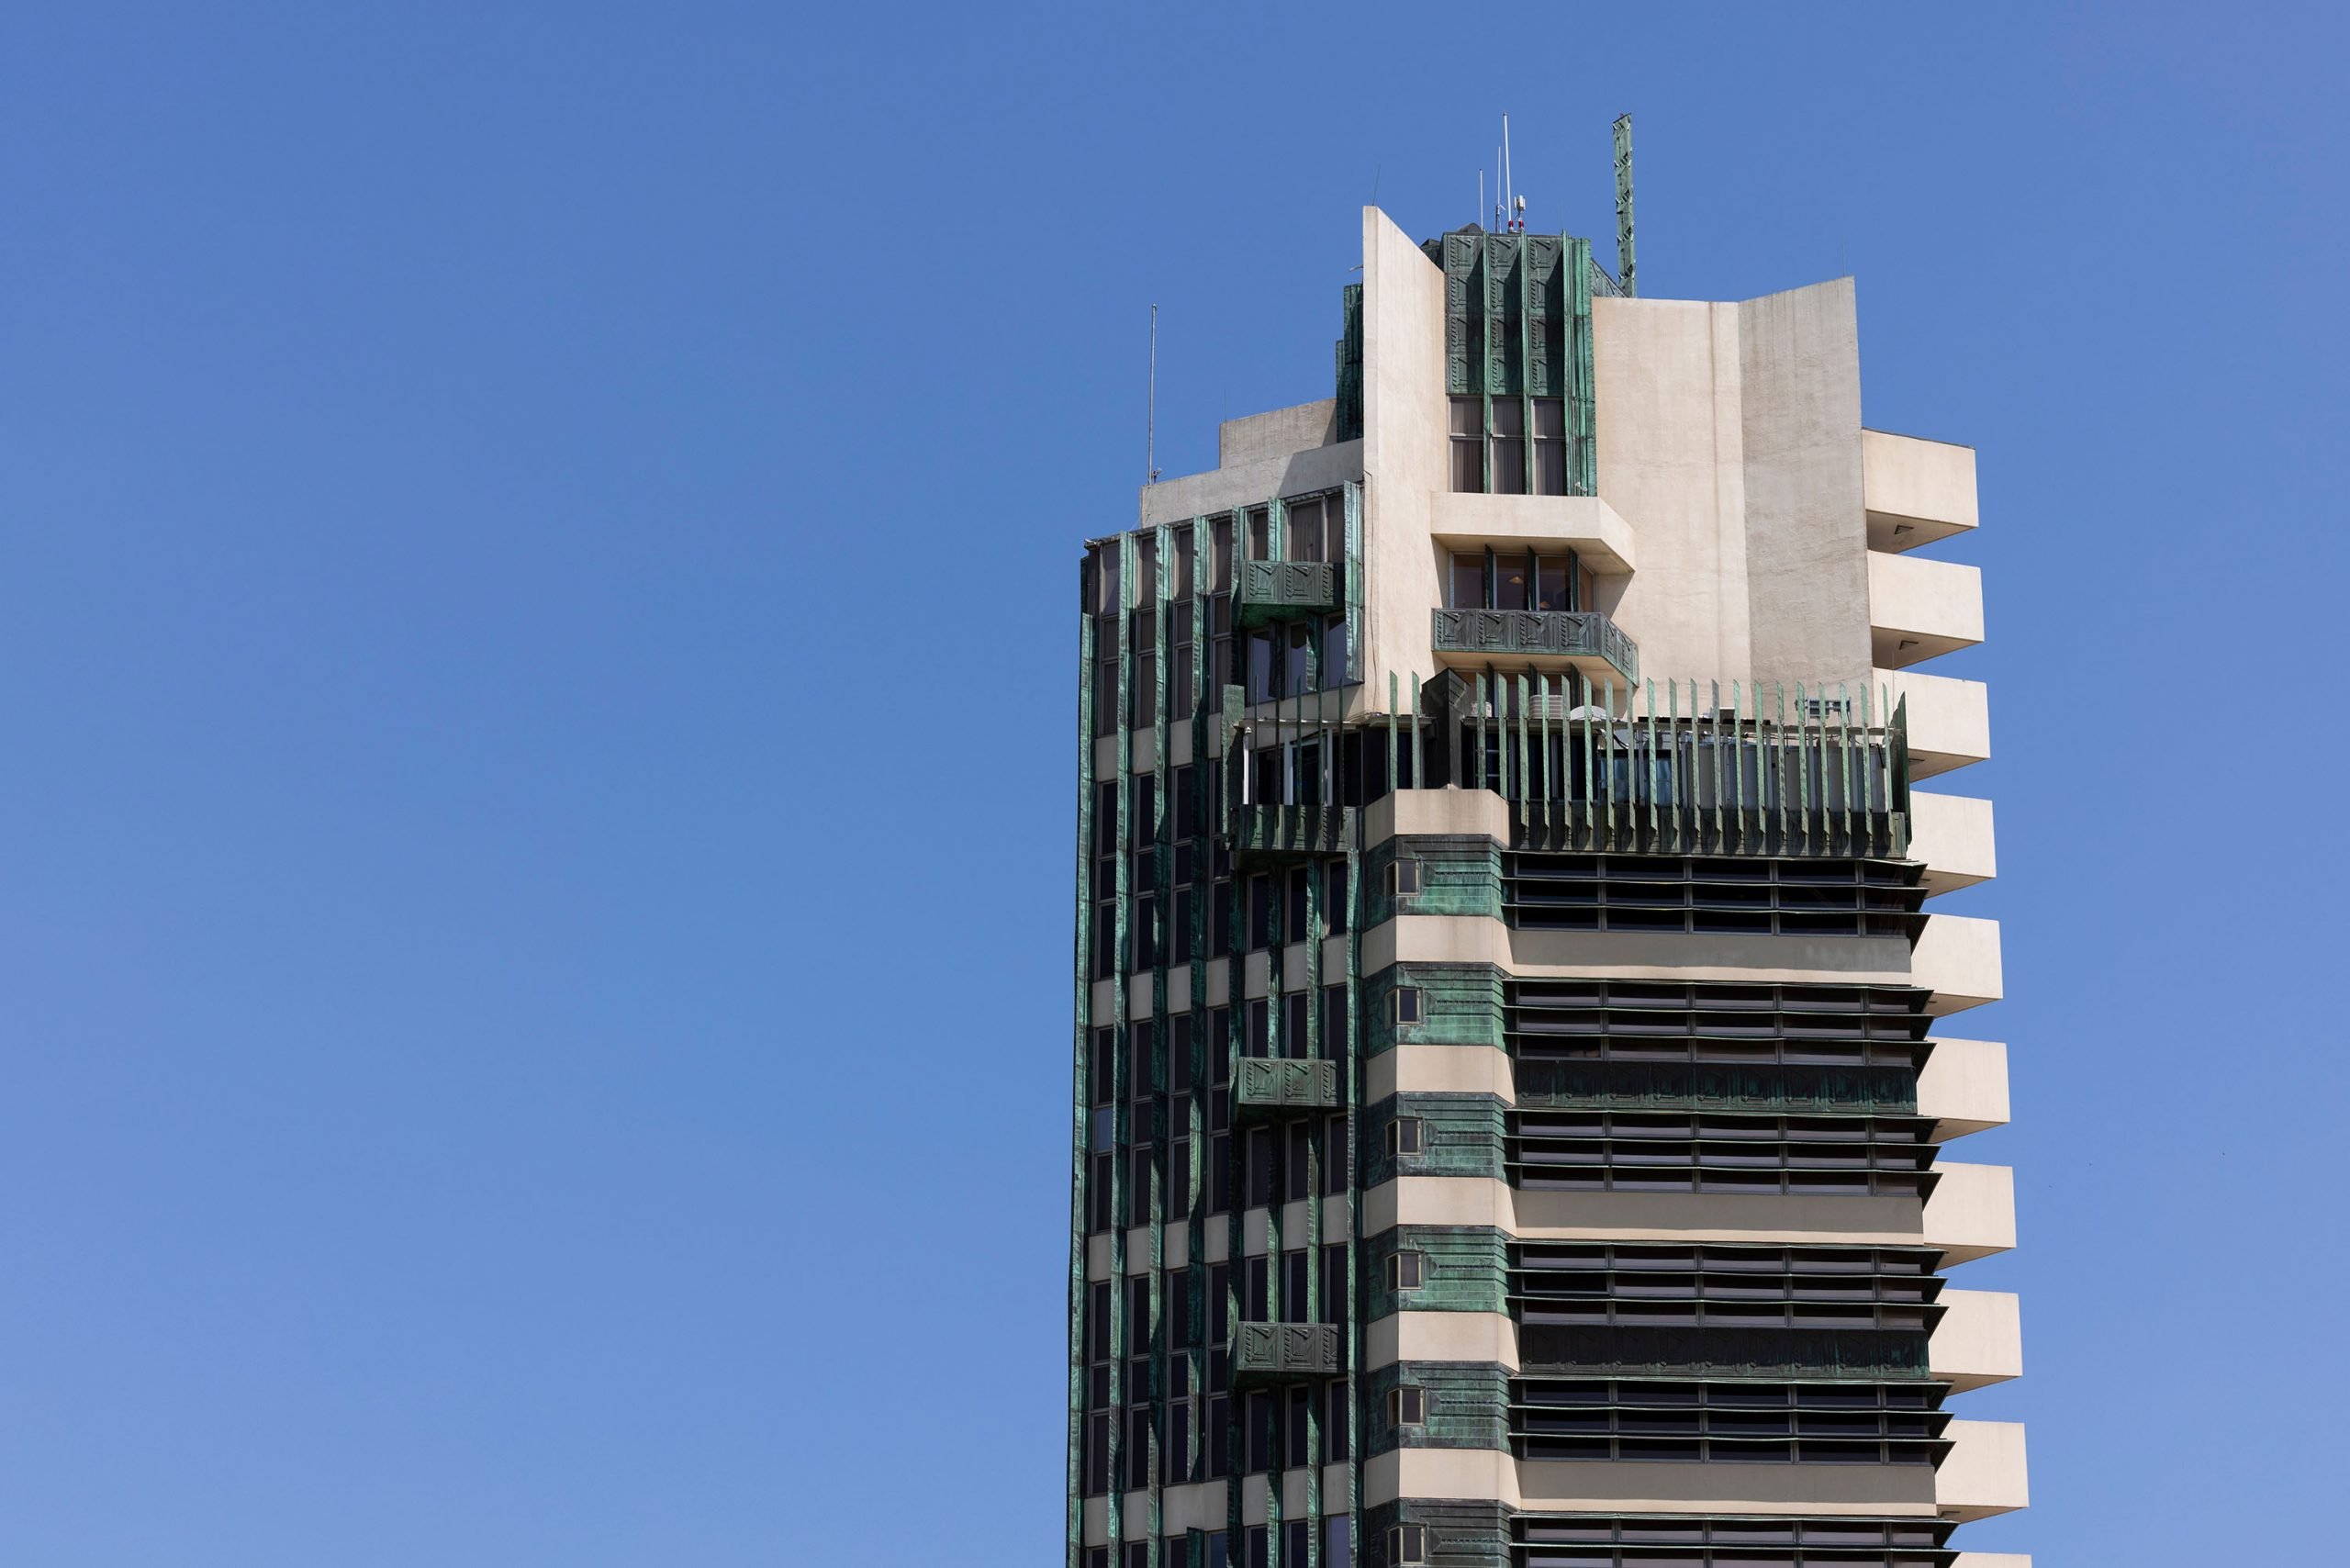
{"points": [[1807, 532], [1671, 461], [1405, 457], [1278, 433]]}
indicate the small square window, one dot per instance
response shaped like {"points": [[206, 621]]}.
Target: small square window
{"points": [[1407, 1004], [1407, 1544], [1404, 878], [1404, 1135], [1405, 1271], [1406, 1406]]}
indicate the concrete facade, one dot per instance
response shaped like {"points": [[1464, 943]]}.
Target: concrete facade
{"points": [[1600, 1036]]}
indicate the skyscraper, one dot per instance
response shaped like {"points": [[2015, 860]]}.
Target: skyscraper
{"points": [[1512, 1072]]}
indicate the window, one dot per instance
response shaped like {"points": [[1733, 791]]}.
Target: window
{"points": [[1336, 1437], [1468, 444], [1513, 583], [1137, 1454], [1404, 1135], [1466, 586], [1407, 1004], [1404, 878], [1510, 446], [1257, 548], [1305, 528], [1406, 1406], [1334, 1282], [1333, 898], [1550, 446], [1260, 912], [1405, 1271], [1407, 1544]]}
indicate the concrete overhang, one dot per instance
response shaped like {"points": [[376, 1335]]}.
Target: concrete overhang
{"points": [[1953, 834], [1545, 524], [1950, 720], [1916, 491], [1921, 607]]}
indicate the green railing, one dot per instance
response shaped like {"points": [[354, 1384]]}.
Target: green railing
{"points": [[1518, 633]]}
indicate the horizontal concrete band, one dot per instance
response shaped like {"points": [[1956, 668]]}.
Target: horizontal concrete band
{"points": [[1202, 1505], [1964, 1086], [1983, 1474], [1956, 956], [1971, 1213], [1979, 1339]]}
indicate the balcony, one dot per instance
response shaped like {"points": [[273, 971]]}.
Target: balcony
{"points": [[1282, 1352], [1278, 1085], [1920, 608], [1915, 491], [1286, 832], [1963, 1087], [1267, 592], [1583, 640]]}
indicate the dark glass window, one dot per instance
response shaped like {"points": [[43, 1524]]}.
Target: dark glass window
{"points": [[1513, 583], [1467, 588], [1550, 446], [1468, 444], [1510, 446]]}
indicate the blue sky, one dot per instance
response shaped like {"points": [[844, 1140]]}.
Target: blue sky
{"points": [[536, 1003]]}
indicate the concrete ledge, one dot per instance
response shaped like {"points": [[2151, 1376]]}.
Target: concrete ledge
{"points": [[1964, 1086], [1921, 607], [1950, 720], [1794, 1219], [1475, 813], [1550, 524], [1957, 956], [1252, 482], [1979, 1339], [1916, 491], [1483, 1338], [1984, 1473], [1991, 1560], [1611, 955], [1441, 1070], [1972, 1212], [1953, 834]]}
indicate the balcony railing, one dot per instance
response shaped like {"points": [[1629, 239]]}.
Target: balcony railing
{"points": [[1762, 770], [1520, 634], [1284, 1351], [1275, 1085], [1282, 590]]}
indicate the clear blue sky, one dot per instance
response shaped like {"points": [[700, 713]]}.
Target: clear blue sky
{"points": [[535, 1006]]}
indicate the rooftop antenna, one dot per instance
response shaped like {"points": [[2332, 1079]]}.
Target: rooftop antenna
{"points": [[1623, 204], [1509, 185], [1497, 189], [1480, 198], [1150, 425]]}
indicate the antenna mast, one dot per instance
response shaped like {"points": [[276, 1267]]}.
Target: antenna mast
{"points": [[1624, 204], [1150, 427], [1509, 185]]}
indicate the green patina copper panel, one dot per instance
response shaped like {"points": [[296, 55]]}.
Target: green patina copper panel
{"points": [[1793, 1086], [1466, 1406], [1459, 874], [1460, 1134], [1460, 1004], [1464, 1268]]}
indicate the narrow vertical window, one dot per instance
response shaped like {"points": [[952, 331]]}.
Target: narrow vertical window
{"points": [[1468, 444], [1550, 446], [1510, 446]]}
